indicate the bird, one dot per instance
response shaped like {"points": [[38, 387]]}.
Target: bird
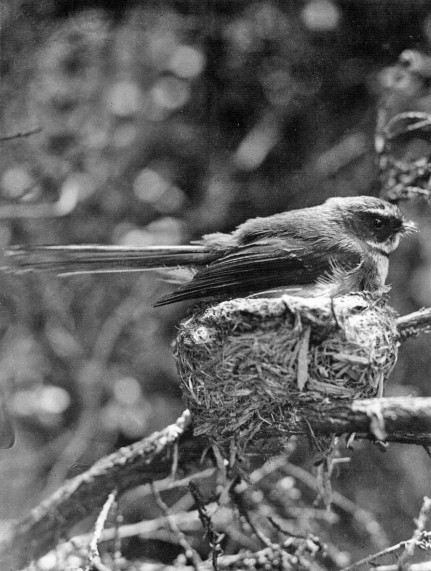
{"points": [[331, 249]]}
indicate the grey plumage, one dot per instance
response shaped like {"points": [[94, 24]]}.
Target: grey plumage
{"points": [[332, 248]]}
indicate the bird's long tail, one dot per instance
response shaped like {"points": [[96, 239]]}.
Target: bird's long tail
{"points": [[70, 260]]}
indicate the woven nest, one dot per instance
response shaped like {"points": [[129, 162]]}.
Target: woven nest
{"points": [[248, 365]]}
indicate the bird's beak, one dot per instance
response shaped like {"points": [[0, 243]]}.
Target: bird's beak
{"points": [[408, 228]]}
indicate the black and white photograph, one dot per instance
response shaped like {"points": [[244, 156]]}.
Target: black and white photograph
{"points": [[215, 285]]}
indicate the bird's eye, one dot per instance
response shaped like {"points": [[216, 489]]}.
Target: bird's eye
{"points": [[378, 223]]}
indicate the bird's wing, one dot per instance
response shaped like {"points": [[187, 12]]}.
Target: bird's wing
{"points": [[267, 264]]}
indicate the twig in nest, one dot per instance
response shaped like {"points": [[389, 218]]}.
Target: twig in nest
{"points": [[189, 552], [302, 371], [93, 554]]}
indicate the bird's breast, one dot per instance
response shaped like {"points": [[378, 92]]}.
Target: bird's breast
{"points": [[381, 264]]}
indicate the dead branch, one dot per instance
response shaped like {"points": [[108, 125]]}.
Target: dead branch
{"points": [[94, 555], [189, 552], [392, 419], [20, 134], [421, 538], [145, 461], [413, 324]]}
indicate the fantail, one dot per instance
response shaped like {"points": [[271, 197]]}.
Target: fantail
{"points": [[332, 249]]}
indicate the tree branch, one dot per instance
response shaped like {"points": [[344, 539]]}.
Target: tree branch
{"points": [[392, 419], [395, 419], [415, 323], [142, 462], [20, 134]]}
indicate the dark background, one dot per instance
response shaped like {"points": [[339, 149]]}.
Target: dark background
{"points": [[161, 121]]}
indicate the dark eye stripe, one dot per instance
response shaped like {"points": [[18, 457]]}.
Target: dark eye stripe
{"points": [[394, 221]]}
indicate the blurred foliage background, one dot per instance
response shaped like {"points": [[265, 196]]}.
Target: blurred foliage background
{"points": [[160, 121]]}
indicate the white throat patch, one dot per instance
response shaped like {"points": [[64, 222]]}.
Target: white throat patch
{"points": [[387, 247]]}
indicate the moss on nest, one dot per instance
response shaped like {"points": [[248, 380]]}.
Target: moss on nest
{"points": [[247, 365]]}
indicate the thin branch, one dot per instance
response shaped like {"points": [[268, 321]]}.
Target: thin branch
{"points": [[145, 461], [406, 122], [238, 501], [395, 419], [20, 134], [222, 518], [415, 323], [210, 533], [190, 553], [418, 534], [370, 558], [93, 554], [420, 538], [185, 520], [408, 544], [363, 517], [424, 566]]}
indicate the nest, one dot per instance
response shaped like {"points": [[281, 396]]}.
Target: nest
{"points": [[248, 365]]}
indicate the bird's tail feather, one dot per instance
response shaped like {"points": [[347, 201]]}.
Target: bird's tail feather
{"points": [[70, 260]]}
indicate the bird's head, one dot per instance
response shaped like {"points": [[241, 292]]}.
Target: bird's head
{"points": [[376, 222]]}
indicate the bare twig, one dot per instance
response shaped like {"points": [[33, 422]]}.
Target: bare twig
{"points": [[420, 538], [239, 503], [387, 551], [147, 460], [371, 558], [406, 122], [424, 566], [222, 518], [20, 134], [212, 536], [363, 517], [418, 534], [190, 553], [398, 419], [117, 540], [93, 554]]}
